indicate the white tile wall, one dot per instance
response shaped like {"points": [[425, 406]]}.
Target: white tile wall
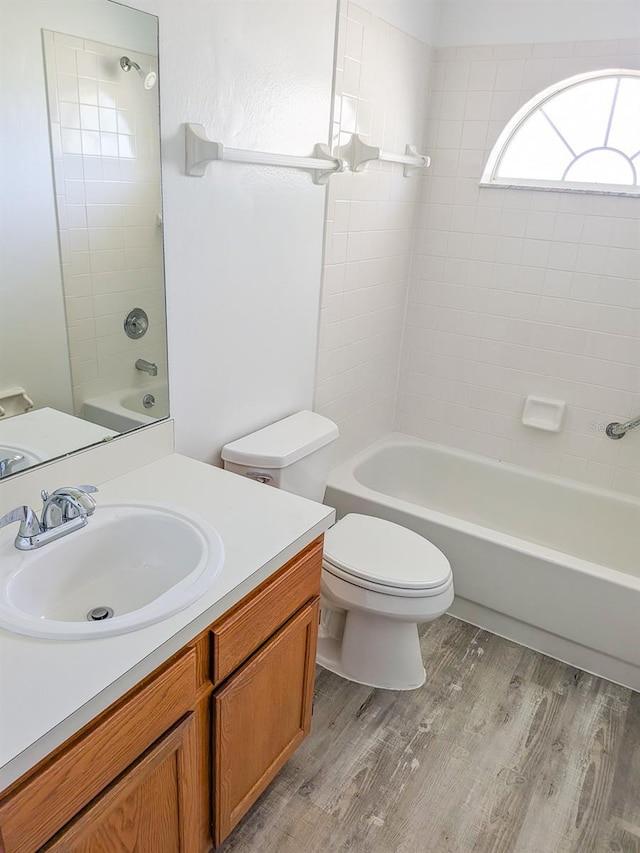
{"points": [[381, 92], [106, 160], [519, 292]]}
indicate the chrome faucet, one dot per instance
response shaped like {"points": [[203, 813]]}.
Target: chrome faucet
{"points": [[147, 367], [63, 511], [8, 464]]}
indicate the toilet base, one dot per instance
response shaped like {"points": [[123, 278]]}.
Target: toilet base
{"points": [[375, 651]]}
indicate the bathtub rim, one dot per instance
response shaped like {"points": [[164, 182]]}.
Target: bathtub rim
{"points": [[342, 478]]}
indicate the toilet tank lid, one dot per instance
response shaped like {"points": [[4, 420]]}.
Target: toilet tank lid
{"points": [[282, 443]]}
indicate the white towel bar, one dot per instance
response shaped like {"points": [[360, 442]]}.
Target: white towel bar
{"points": [[200, 151], [358, 153]]}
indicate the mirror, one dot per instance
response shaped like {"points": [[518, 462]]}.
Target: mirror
{"points": [[81, 247]]}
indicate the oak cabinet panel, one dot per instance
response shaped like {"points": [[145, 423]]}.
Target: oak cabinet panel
{"points": [[146, 810], [242, 630], [261, 715], [53, 795]]}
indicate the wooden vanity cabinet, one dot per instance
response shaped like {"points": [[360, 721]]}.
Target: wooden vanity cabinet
{"points": [[61, 787], [149, 809], [263, 667], [260, 717], [173, 765]]}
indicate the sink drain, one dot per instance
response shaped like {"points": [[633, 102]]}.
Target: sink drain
{"points": [[99, 613]]}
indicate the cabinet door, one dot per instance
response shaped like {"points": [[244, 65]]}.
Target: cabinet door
{"points": [[147, 810], [261, 715], [243, 629], [53, 795]]}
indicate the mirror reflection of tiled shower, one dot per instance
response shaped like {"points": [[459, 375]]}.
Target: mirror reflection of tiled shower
{"points": [[104, 125]]}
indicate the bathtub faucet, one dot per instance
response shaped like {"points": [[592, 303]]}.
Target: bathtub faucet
{"points": [[616, 430], [147, 366]]}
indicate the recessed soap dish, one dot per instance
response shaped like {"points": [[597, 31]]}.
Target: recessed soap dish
{"points": [[542, 413]]}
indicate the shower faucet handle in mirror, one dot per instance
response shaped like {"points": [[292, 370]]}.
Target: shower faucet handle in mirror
{"points": [[136, 323]]}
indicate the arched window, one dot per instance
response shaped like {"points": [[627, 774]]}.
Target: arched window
{"points": [[581, 134]]}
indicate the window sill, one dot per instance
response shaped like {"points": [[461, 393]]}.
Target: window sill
{"points": [[563, 187]]}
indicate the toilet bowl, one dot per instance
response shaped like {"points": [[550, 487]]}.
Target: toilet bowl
{"points": [[379, 580]]}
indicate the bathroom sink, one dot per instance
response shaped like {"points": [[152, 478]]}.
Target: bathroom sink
{"points": [[134, 564]]}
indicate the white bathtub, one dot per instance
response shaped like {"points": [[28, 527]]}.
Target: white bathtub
{"points": [[124, 410], [546, 562]]}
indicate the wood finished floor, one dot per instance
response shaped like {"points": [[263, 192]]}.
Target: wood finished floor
{"points": [[503, 750]]}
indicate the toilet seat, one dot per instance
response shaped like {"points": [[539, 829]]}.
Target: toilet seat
{"points": [[379, 555]]}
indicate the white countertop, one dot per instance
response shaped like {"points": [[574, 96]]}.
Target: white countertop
{"points": [[48, 433], [50, 689]]}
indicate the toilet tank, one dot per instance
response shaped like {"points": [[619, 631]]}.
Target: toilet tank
{"points": [[292, 454]]}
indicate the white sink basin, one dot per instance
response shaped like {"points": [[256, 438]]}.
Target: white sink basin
{"points": [[141, 560]]}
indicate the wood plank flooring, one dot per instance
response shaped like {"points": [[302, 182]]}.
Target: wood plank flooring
{"points": [[503, 750]]}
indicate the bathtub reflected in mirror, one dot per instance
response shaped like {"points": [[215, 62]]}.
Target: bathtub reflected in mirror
{"points": [[82, 245]]}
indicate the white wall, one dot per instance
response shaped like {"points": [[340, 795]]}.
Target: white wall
{"points": [[467, 22], [382, 82], [243, 245], [418, 18], [518, 292]]}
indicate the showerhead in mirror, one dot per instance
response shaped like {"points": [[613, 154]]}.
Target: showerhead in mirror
{"points": [[149, 79]]}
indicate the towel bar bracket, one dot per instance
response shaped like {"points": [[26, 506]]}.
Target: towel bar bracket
{"points": [[200, 151], [357, 153]]}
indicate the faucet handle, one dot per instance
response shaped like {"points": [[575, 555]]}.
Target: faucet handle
{"points": [[71, 490], [80, 496], [66, 504], [76, 491], [29, 524]]}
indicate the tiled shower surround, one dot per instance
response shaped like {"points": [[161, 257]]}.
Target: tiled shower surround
{"points": [[512, 292], [106, 163], [518, 292]]}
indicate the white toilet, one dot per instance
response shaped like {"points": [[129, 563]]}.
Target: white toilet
{"points": [[379, 580]]}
